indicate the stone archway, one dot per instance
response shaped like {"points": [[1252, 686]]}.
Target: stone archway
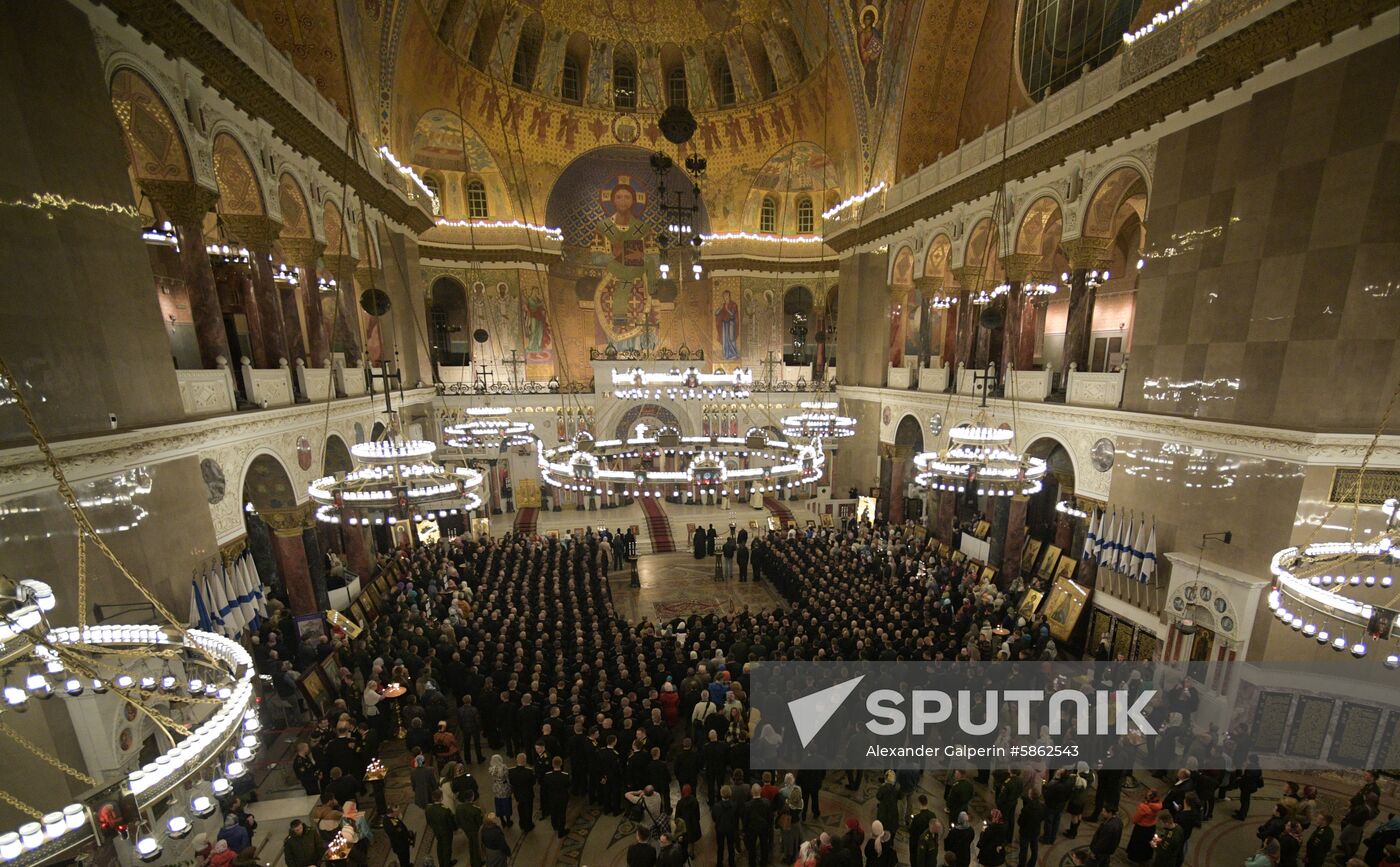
{"points": [[282, 536]]}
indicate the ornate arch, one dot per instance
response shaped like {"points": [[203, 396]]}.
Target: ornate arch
{"points": [[296, 216], [938, 261], [337, 243], [1118, 185], [154, 141], [240, 188], [266, 482]]}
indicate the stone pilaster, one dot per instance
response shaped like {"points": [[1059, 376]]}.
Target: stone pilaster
{"points": [[185, 203]]}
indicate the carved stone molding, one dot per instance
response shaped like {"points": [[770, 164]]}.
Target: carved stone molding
{"points": [[289, 522], [303, 252], [1018, 265], [185, 202], [928, 285], [341, 267], [1087, 251], [254, 231]]}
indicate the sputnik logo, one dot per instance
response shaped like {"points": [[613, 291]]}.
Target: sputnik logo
{"points": [[811, 712]]}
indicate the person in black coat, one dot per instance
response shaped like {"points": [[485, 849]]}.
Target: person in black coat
{"points": [[959, 840], [554, 795], [1107, 837], [688, 811], [522, 786], [607, 768], [697, 545], [742, 556], [994, 841], [710, 536], [757, 818], [401, 838], [1029, 827], [716, 758], [1250, 780], [725, 814]]}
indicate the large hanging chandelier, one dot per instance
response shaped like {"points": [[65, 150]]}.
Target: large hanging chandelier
{"points": [[1326, 590], [819, 420], [980, 458], [204, 679], [607, 467], [396, 480], [489, 428], [677, 384]]}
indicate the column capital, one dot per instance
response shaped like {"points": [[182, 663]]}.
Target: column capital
{"points": [[898, 293], [302, 252], [254, 231], [1018, 265], [968, 276], [339, 266], [928, 285], [289, 522], [185, 202], [1087, 251]]}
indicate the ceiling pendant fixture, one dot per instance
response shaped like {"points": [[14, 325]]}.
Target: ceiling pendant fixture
{"points": [[586, 465], [489, 428], [395, 480], [819, 420], [1347, 586], [980, 458], [677, 384]]}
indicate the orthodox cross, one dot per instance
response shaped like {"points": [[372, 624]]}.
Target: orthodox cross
{"points": [[386, 376], [514, 362], [769, 363], [483, 377]]}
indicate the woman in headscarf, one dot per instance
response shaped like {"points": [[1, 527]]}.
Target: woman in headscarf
{"points": [[688, 812], [959, 841], [806, 855], [1139, 847], [991, 846], [500, 788], [879, 847], [790, 823]]}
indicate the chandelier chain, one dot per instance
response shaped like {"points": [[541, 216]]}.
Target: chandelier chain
{"points": [[20, 805], [29, 745]]}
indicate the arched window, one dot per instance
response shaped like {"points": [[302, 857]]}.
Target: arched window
{"points": [[725, 84], [570, 87], [476, 200], [431, 182], [624, 85], [676, 93], [768, 215], [527, 53], [805, 222]]}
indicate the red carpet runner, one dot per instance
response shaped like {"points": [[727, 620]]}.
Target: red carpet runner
{"points": [[781, 512], [526, 520], [659, 526]]}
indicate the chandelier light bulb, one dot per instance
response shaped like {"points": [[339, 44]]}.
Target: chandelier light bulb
{"points": [[1358, 650], [147, 849]]}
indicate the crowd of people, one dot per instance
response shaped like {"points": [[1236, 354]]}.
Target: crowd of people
{"points": [[517, 664]]}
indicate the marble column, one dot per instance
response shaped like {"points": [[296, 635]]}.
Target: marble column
{"points": [[899, 457], [239, 282], [1084, 253], [1032, 321], [969, 278], [357, 550], [368, 277], [1017, 267], [926, 289], [947, 515], [1064, 532], [257, 233], [1015, 540], [185, 203], [345, 329], [289, 550], [304, 253]]}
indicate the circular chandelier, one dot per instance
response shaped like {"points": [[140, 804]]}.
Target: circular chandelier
{"points": [[489, 427], [208, 676], [585, 464], [396, 480], [1325, 589], [819, 421], [978, 458], [677, 384]]}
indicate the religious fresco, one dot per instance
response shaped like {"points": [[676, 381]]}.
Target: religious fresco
{"points": [[726, 341], [537, 337], [604, 204], [239, 192], [152, 139], [440, 142]]}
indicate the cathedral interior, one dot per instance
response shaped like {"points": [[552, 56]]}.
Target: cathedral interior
{"points": [[438, 391]]}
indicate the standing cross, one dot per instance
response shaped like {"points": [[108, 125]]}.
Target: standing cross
{"points": [[483, 375], [514, 362], [770, 362]]}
